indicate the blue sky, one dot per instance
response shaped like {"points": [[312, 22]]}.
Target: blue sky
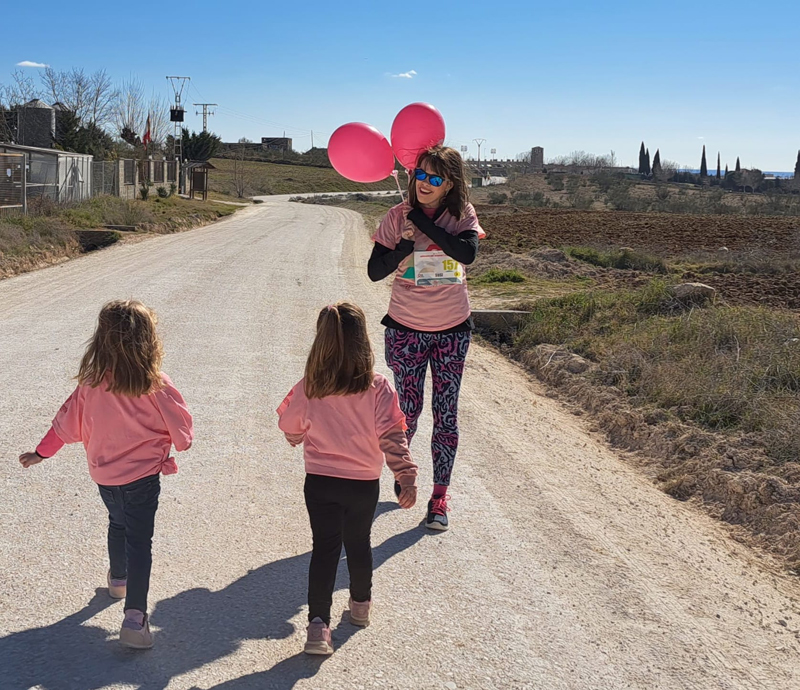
{"points": [[579, 75]]}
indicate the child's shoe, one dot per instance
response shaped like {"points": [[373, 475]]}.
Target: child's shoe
{"points": [[319, 638], [117, 589], [135, 632], [359, 612]]}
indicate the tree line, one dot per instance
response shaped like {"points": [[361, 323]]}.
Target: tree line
{"points": [[99, 117]]}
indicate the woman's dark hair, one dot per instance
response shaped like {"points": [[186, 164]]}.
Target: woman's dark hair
{"points": [[448, 163]]}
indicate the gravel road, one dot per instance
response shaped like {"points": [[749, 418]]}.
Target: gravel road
{"points": [[565, 566]]}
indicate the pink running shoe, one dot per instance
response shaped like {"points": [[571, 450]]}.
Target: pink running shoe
{"points": [[319, 638], [359, 612], [117, 589], [437, 513]]}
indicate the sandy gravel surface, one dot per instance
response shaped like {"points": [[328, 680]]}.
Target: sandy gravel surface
{"points": [[565, 568]]}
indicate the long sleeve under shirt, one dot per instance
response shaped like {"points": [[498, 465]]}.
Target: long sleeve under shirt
{"points": [[462, 247]]}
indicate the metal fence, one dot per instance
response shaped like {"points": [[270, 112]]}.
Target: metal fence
{"points": [[12, 188], [105, 178]]}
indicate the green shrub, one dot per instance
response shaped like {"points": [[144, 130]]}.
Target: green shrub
{"points": [[624, 258], [162, 192], [498, 197]]}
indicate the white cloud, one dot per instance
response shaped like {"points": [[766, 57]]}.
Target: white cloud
{"points": [[406, 75], [701, 138], [28, 63]]}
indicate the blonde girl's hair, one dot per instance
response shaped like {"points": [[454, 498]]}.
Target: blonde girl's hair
{"points": [[125, 350], [341, 361], [448, 163]]}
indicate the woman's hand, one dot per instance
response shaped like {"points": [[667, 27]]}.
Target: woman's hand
{"points": [[28, 459]]}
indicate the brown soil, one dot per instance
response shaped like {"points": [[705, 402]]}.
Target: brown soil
{"points": [[512, 229]]}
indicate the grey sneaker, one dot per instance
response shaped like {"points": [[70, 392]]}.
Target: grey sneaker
{"points": [[318, 640], [135, 632], [359, 612], [437, 513]]}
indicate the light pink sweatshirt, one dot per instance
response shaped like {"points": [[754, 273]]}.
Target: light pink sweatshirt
{"points": [[347, 436], [125, 438]]}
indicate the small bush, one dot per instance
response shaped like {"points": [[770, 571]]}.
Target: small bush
{"points": [[162, 192], [498, 197], [555, 181], [501, 275], [173, 189], [144, 191], [624, 258], [530, 199]]}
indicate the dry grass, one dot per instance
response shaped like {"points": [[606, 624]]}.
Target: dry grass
{"points": [[272, 178], [51, 233]]}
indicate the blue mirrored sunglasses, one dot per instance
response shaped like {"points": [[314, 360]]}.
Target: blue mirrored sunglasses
{"points": [[434, 180]]}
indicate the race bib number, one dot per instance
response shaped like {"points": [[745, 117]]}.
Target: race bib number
{"points": [[434, 267]]}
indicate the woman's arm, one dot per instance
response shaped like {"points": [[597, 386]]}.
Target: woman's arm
{"points": [[462, 247], [384, 261]]}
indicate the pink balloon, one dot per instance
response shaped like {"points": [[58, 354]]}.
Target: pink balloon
{"points": [[416, 128], [360, 153]]}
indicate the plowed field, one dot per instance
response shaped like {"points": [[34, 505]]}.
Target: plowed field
{"points": [[670, 236], [665, 233]]}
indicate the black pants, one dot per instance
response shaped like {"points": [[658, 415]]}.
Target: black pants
{"points": [[131, 518], [341, 511]]}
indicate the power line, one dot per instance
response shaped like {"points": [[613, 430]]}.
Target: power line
{"points": [[206, 113]]}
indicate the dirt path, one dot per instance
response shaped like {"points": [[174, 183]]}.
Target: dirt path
{"points": [[564, 569]]}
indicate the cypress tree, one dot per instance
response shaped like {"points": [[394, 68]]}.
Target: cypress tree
{"points": [[703, 165], [657, 162], [797, 167], [726, 169], [647, 168], [738, 166], [719, 170], [641, 160]]}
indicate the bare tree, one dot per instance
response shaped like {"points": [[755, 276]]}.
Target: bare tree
{"points": [[581, 159], [71, 89], [666, 171], [21, 89], [158, 110], [241, 174], [102, 96], [130, 110]]}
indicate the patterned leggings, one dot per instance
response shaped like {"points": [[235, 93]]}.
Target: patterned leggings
{"points": [[407, 355]]}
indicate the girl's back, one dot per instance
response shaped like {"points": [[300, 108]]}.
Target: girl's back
{"points": [[342, 432], [125, 437]]}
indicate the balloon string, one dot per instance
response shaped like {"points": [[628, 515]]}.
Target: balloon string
{"points": [[396, 177]]}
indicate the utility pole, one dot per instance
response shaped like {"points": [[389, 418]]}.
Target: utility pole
{"points": [[176, 114], [479, 142], [312, 138], [205, 106]]}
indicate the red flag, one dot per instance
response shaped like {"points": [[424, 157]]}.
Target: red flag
{"points": [[146, 139]]}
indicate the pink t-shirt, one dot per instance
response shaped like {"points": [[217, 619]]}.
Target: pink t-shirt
{"points": [[341, 433], [425, 307], [125, 438]]}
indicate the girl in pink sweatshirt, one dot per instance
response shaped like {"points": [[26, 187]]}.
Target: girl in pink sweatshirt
{"points": [[348, 419], [128, 415]]}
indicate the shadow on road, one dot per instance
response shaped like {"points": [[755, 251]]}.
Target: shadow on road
{"points": [[195, 627]]}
